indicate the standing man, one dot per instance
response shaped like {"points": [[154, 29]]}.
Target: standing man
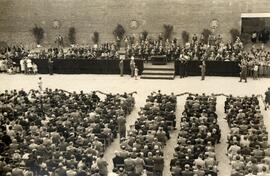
{"points": [[121, 66], [182, 66], [255, 71], [267, 99], [136, 72], [40, 84], [102, 165], [243, 72], [132, 66], [50, 65], [121, 126], [22, 65], [203, 70]]}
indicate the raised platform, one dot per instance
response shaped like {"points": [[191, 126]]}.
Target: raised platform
{"points": [[158, 71]]}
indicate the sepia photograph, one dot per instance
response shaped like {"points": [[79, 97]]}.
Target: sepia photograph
{"points": [[134, 87]]}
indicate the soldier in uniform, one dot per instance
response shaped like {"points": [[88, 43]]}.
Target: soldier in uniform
{"points": [[203, 70], [121, 66], [243, 72]]}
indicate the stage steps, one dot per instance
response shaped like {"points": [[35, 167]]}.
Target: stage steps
{"points": [[158, 71]]}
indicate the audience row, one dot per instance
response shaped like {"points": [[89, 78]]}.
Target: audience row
{"points": [[142, 148], [199, 132], [248, 148], [55, 132]]}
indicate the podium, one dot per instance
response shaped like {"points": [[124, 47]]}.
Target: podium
{"points": [[122, 53], [159, 60]]}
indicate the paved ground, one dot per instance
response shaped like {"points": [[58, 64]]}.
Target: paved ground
{"points": [[114, 83]]}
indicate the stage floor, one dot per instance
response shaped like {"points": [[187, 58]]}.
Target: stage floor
{"points": [[117, 84]]}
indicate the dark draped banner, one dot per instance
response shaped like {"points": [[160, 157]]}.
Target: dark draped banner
{"points": [[106, 66], [84, 66], [213, 68]]}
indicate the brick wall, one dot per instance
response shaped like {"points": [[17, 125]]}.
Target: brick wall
{"points": [[17, 17]]}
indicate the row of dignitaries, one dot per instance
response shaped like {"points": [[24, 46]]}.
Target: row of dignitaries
{"points": [[199, 132], [248, 148], [142, 150], [58, 133]]}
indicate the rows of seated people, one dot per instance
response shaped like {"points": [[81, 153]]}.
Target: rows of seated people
{"points": [[199, 132], [142, 149], [248, 148], [104, 50], [197, 48], [57, 132]]}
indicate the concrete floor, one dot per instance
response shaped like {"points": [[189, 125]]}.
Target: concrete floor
{"points": [[115, 83]]}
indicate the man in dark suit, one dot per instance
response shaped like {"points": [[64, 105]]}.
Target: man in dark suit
{"points": [[118, 161], [158, 164]]}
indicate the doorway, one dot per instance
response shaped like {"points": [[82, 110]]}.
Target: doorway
{"points": [[256, 24]]}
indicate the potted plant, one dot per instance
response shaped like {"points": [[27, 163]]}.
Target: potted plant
{"points": [[95, 38], [144, 35], [185, 36], [206, 33], [38, 33], [168, 30], [119, 33], [72, 36]]}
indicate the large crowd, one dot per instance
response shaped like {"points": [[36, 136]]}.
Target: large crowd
{"points": [[55, 132], [198, 48], [248, 148], [199, 132], [142, 148]]}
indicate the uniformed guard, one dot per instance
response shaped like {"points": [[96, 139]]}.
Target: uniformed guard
{"points": [[121, 66], [243, 72], [50, 65], [203, 70]]}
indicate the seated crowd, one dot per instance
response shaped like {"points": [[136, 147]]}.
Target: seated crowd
{"points": [[105, 50], [248, 148], [199, 132], [142, 149], [57, 132], [212, 48]]}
